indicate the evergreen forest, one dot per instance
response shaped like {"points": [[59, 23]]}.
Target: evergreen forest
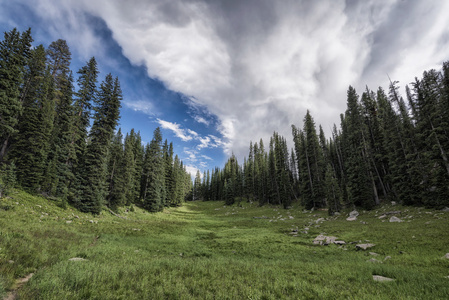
{"points": [[59, 136], [387, 148]]}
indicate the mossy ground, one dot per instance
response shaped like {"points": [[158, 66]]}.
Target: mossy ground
{"points": [[205, 250]]}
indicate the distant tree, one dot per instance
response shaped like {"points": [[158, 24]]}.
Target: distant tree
{"points": [[155, 191]]}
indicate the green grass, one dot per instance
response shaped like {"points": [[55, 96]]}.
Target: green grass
{"points": [[205, 250]]}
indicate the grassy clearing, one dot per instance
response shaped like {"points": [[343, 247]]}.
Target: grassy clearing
{"points": [[204, 250]]}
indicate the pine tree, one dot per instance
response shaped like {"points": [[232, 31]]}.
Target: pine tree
{"points": [[15, 50], [332, 191], [116, 180], [85, 98], [359, 183], [154, 196], [105, 120], [31, 145], [197, 186]]}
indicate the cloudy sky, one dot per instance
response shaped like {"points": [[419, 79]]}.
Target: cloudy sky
{"points": [[217, 74]]}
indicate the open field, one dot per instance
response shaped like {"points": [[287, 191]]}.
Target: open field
{"points": [[205, 250]]}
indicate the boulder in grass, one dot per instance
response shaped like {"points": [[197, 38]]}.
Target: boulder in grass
{"points": [[395, 219], [446, 256], [364, 246], [77, 259], [354, 213], [382, 278]]}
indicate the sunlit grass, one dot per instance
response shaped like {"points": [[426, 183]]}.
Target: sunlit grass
{"points": [[205, 250]]}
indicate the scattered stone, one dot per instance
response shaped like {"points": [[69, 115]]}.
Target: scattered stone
{"points": [[393, 203], [364, 246], [354, 213], [337, 213], [394, 219], [69, 221], [373, 260], [373, 254], [77, 259], [446, 256], [340, 243], [319, 220], [136, 229], [387, 258], [446, 209], [382, 216], [427, 223], [291, 217], [364, 223], [324, 240], [381, 278], [10, 261], [40, 206], [351, 218]]}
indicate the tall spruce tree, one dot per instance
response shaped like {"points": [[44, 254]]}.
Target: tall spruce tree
{"points": [[15, 50], [31, 145], [153, 199], [105, 120]]}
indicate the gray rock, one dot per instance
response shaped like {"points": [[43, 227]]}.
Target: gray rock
{"points": [[381, 278], [319, 220], [340, 243], [322, 239], [354, 213], [77, 259], [364, 246], [373, 260], [351, 218], [337, 213], [394, 219], [373, 254], [382, 216], [446, 256], [387, 258], [446, 209], [69, 221], [393, 203]]}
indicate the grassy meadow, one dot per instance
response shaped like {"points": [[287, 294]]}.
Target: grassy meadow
{"points": [[205, 250]]}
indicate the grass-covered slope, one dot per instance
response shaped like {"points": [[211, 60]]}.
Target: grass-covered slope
{"points": [[204, 250]]}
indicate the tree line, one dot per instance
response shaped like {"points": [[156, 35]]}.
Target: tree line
{"points": [[62, 141], [387, 148]]}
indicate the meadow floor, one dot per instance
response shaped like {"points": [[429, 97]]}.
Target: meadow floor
{"points": [[205, 250]]}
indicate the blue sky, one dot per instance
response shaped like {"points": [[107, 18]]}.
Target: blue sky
{"points": [[147, 102], [217, 74]]}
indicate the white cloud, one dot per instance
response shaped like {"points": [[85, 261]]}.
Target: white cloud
{"points": [[259, 65], [140, 105], [202, 120], [178, 131], [192, 170]]}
